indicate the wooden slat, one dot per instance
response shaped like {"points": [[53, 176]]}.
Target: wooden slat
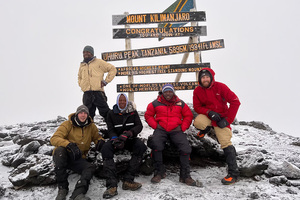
{"points": [[162, 51]]}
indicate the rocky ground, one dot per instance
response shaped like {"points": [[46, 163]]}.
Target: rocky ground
{"points": [[269, 163]]}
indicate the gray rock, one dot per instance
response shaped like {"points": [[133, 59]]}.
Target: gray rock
{"points": [[254, 195], [3, 135], [286, 169], [291, 191], [2, 191], [31, 147], [36, 170], [251, 162], [278, 180]]}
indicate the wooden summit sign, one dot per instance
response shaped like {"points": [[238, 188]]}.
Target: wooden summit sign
{"points": [[146, 87], [162, 51], [161, 69], [159, 32], [158, 18]]}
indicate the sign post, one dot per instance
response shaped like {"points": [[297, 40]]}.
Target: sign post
{"points": [[171, 24]]}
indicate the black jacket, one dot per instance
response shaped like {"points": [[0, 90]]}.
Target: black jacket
{"points": [[118, 122]]}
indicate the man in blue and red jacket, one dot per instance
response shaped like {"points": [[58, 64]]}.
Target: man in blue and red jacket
{"points": [[210, 101], [170, 117]]}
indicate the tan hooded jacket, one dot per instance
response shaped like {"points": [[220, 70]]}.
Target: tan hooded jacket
{"points": [[91, 74], [67, 132]]}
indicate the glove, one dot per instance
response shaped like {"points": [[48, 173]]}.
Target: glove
{"points": [[128, 134], [99, 145], [118, 143], [74, 151], [214, 116], [103, 83], [222, 123]]}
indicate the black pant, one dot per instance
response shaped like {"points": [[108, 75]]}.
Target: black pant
{"points": [[63, 161], [134, 145], [96, 99], [179, 139]]}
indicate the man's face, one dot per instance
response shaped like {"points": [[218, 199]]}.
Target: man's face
{"points": [[82, 116], [122, 102], [87, 55], [168, 95], [205, 81]]}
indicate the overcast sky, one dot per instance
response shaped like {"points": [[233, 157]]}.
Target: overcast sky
{"points": [[42, 41]]}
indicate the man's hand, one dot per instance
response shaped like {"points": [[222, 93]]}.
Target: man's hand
{"points": [[222, 123], [103, 83], [214, 116], [128, 134], [74, 151]]}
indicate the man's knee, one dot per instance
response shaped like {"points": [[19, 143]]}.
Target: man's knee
{"points": [[139, 148], [60, 156], [107, 150], [224, 136], [201, 122]]}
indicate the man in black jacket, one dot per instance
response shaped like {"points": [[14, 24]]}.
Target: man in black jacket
{"points": [[124, 124]]}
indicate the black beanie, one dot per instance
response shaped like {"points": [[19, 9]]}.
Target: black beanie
{"points": [[205, 73], [89, 49]]}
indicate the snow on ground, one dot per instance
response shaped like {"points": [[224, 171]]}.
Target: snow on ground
{"points": [[277, 145]]}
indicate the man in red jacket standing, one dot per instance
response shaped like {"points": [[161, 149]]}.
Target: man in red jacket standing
{"points": [[210, 102], [170, 117]]}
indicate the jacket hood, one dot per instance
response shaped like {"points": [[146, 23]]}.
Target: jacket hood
{"points": [[212, 73]]}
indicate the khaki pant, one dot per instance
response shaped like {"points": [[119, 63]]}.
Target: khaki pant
{"points": [[223, 134]]}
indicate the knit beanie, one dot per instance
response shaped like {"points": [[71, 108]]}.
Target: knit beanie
{"points": [[167, 87], [205, 73], [89, 49], [82, 108]]}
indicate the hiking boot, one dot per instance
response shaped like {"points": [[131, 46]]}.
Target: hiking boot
{"points": [[82, 197], [110, 192], [201, 134], [157, 178], [228, 180], [131, 185], [62, 194], [189, 181]]}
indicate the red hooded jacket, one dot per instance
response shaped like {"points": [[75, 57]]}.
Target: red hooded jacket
{"points": [[169, 114], [215, 98]]}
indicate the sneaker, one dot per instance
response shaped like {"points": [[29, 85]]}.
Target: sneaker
{"points": [[131, 185], [200, 134], [189, 181], [229, 180], [82, 197], [110, 192], [62, 194], [157, 178]]}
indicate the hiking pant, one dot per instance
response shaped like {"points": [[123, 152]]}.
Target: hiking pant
{"points": [[224, 135], [63, 161], [179, 139], [96, 99], [134, 145]]}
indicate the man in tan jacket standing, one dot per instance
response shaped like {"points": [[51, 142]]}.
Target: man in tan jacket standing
{"points": [[92, 82]]}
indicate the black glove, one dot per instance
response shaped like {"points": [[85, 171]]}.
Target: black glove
{"points": [[74, 151], [214, 116], [222, 123], [99, 145], [118, 143], [128, 134]]}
